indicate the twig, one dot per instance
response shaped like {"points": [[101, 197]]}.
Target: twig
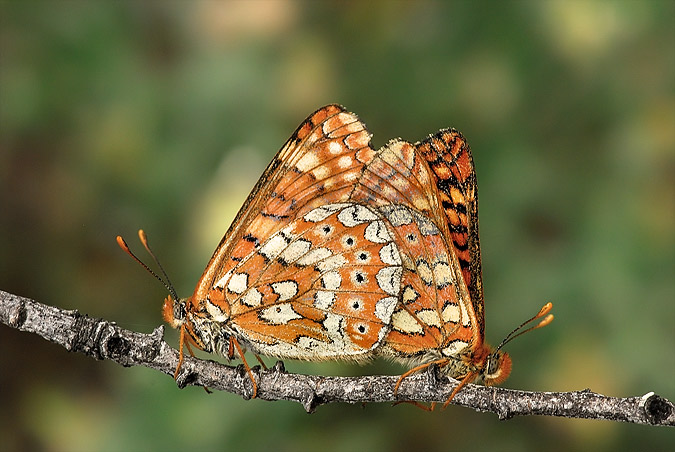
{"points": [[101, 339]]}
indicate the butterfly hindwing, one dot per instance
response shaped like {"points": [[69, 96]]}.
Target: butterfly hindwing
{"points": [[324, 286]]}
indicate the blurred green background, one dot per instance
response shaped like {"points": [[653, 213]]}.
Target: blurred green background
{"points": [[162, 115]]}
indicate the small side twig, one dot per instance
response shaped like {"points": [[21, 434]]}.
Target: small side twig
{"points": [[102, 339]]}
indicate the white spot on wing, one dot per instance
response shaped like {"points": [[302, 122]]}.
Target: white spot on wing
{"points": [[384, 309], [295, 250], [429, 317], [454, 348], [377, 232], [279, 314], [331, 280], [351, 176], [285, 289], [409, 295], [466, 321], [344, 162], [321, 172], [424, 272], [389, 279], [332, 263], [274, 246], [398, 216], [324, 299], [313, 256], [443, 274], [308, 343], [215, 312], [221, 282], [334, 147], [323, 212], [389, 254], [450, 313], [405, 323], [355, 215], [252, 298], [307, 162], [333, 324], [238, 283]]}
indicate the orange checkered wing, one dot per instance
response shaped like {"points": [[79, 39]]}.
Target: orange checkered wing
{"points": [[304, 272], [449, 158], [435, 310]]}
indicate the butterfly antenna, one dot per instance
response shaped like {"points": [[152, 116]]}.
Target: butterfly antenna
{"points": [[166, 282], [543, 312], [144, 241]]}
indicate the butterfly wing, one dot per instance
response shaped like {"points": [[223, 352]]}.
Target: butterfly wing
{"points": [[304, 272], [435, 310], [450, 160], [322, 287], [298, 178]]}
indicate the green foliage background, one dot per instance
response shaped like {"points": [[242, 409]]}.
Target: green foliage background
{"points": [[161, 115]]}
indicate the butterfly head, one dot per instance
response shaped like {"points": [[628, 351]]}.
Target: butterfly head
{"points": [[497, 368], [173, 311]]}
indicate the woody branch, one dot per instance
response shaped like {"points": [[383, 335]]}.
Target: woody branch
{"points": [[102, 339]]}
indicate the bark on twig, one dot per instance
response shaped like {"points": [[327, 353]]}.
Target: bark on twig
{"points": [[102, 339]]}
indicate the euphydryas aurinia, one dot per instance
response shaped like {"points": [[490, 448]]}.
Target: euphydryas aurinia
{"points": [[344, 252]]}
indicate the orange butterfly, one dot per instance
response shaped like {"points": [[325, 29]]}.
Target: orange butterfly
{"points": [[440, 319], [341, 252]]}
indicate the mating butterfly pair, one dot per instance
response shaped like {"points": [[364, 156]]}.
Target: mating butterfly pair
{"points": [[344, 252]]}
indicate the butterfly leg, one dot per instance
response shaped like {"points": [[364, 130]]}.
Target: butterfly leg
{"points": [[262, 363], [181, 356], [469, 377], [418, 405], [180, 352], [441, 362], [234, 343]]}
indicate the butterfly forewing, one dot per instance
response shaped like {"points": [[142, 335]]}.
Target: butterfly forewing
{"points": [[449, 158], [322, 155]]}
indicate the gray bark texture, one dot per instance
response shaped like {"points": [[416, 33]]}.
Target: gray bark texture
{"points": [[102, 339]]}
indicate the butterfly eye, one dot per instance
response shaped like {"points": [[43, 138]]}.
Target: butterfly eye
{"points": [[497, 368]]}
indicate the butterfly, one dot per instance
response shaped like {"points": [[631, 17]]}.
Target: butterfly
{"points": [[344, 252], [440, 319]]}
